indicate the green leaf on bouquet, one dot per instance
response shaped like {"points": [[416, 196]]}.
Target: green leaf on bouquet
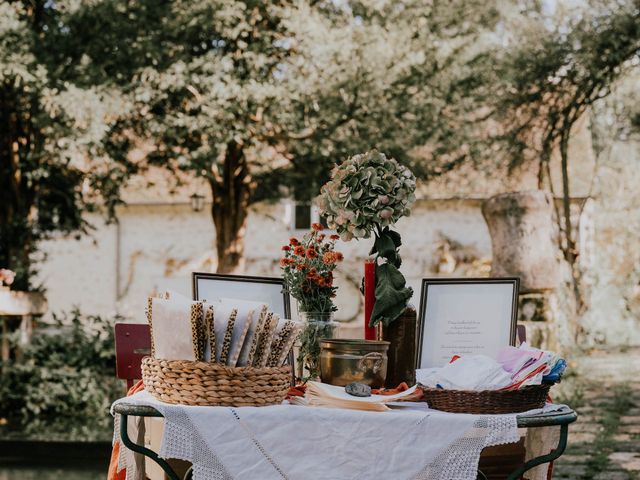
{"points": [[386, 246], [394, 236], [392, 294]]}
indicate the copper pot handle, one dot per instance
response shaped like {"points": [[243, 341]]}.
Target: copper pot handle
{"points": [[377, 358]]}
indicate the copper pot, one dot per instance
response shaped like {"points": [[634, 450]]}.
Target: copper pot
{"points": [[343, 361]]}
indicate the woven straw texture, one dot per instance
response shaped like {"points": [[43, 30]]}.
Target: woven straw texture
{"points": [[200, 383], [491, 402]]}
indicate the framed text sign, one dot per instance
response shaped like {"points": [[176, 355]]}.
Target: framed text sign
{"points": [[465, 316], [270, 290]]}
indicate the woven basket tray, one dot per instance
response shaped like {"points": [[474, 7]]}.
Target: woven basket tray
{"points": [[201, 383], [487, 401]]}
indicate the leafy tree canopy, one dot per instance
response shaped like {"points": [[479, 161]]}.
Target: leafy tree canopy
{"points": [[51, 171], [253, 96]]}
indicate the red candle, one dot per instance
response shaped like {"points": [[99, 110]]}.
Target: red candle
{"points": [[369, 297]]}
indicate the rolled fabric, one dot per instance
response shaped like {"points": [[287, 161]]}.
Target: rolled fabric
{"points": [[285, 330], [244, 329], [263, 318], [288, 345], [224, 323], [264, 342]]}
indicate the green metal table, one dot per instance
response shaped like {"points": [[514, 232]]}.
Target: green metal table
{"points": [[561, 418]]}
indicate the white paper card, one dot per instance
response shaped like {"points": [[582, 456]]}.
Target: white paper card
{"points": [[465, 319]]}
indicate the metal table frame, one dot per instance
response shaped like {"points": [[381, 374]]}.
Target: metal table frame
{"points": [[561, 418]]}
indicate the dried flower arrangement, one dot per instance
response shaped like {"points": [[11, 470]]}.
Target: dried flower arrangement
{"points": [[367, 194], [308, 266]]}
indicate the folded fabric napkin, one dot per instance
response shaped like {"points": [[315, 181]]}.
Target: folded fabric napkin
{"points": [[468, 372], [177, 329], [230, 332], [513, 369], [246, 324]]}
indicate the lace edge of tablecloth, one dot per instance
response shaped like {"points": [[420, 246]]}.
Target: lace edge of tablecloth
{"points": [[459, 461], [180, 441]]}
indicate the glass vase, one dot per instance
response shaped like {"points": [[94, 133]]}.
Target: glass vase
{"points": [[316, 326]]}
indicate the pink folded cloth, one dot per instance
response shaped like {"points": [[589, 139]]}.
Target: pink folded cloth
{"points": [[515, 359]]}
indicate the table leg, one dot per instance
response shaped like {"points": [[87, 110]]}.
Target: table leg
{"points": [[126, 441], [553, 455]]}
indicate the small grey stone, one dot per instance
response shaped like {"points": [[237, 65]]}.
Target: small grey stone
{"points": [[358, 389]]}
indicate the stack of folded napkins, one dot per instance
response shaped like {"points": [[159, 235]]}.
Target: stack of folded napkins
{"points": [[230, 332], [514, 368]]}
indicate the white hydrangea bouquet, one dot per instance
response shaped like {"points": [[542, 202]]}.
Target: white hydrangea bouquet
{"points": [[367, 194]]}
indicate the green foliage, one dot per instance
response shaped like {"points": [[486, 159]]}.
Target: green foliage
{"points": [[367, 192], [250, 95], [392, 294], [388, 79], [604, 446], [314, 330], [66, 375], [255, 96], [542, 87], [558, 65], [50, 131], [386, 246]]}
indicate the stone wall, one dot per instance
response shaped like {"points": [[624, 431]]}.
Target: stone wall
{"points": [[613, 285], [156, 246]]}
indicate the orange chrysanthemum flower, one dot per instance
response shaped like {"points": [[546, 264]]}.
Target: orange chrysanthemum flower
{"points": [[338, 256], [317, 227], [328, 258], [311, 252], [286, 248], [299, 250], [334, 237], [294, 241]]}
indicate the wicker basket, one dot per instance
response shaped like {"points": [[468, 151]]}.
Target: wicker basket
{"points": [[201, 383], [487, 401]]}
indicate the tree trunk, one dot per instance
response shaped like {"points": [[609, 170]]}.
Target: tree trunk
{"points": [[231, 189], [571, 246], [15, 201]]}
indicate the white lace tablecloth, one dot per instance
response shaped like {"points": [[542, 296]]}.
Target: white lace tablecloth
{"points": [[295, 442]]}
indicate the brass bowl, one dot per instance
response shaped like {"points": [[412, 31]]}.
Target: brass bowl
{"points": [[343, 361]]}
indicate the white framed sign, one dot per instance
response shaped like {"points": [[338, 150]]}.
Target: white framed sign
{"points": [[465, 316], [270, 290]]}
